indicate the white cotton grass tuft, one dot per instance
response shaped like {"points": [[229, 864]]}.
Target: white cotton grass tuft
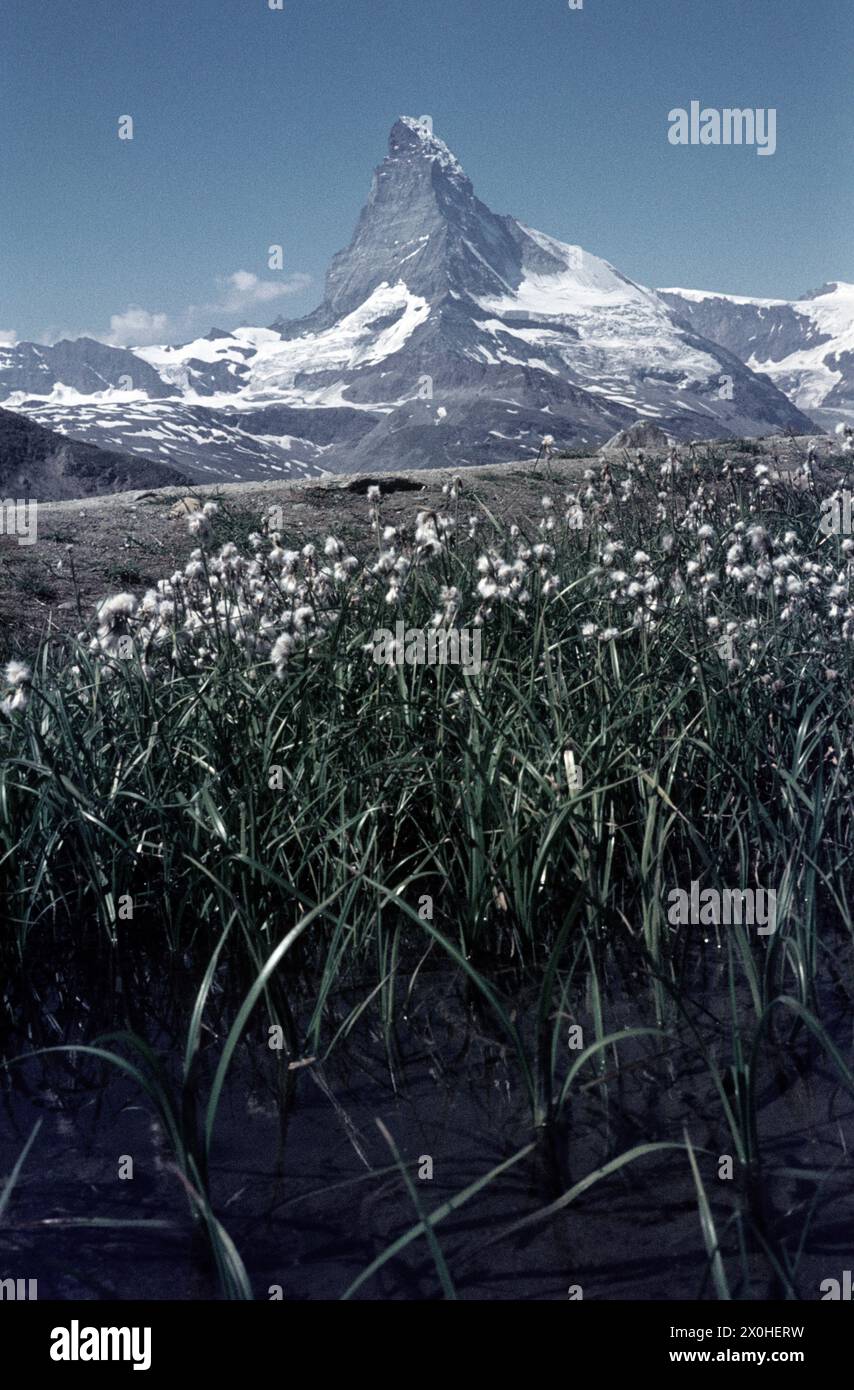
{"points": [[17, 673], [114, 623], [702, 557], [17, 678]]}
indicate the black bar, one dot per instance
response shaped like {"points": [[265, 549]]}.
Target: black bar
{"points": [[221, 1341]]}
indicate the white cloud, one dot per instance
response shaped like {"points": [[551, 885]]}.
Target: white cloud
{"points": [[240, 292], [138, 327], [243, 289], [8, 337]]}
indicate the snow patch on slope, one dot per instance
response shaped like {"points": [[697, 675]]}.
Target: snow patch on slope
{"points": [[622, 327], [351, 343]]}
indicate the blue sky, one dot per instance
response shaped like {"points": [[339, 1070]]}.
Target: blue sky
{"points": [[255, 127]]}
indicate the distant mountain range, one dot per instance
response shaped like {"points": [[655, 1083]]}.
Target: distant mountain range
{"points": [[39, 464], [448, 335]]}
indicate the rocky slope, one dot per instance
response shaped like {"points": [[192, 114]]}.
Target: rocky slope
{"points": [[38, 464]]}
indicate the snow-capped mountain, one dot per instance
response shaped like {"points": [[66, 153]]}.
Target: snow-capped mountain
{"points": [[78, 368], [447, 335], [806, 345]]}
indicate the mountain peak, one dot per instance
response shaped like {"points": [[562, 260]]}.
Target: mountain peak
{"points": [[413, 136], [421, 225]]}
